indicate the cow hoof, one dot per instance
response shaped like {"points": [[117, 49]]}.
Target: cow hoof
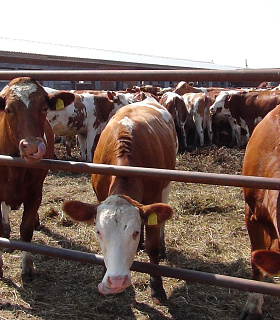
{"points": [[159, 299], [250, 316], [27, 277], [157, 292], [6, 232]]}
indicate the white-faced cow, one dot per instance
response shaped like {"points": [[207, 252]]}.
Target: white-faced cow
{"points": [[244, 110], [26, 132], [262, 207], [87, 116], [140, 135]]}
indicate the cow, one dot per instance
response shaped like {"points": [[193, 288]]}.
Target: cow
{"points": [[26, 132], [198, 105], [143, 135], [262, 210], [175, 104], [244, 110], [87, 116], [183, 87]]}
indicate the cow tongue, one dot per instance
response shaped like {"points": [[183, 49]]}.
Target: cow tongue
{"points": [[38, 155]]}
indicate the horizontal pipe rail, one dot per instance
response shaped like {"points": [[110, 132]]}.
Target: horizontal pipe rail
{"points": [[143, 267], [171, 175], [147, 75]]}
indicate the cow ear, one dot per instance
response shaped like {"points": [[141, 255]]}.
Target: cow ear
{"points": [[111, 95], [61, 99], [155, 214], [79, 211], [2, 103], [267, 260]]}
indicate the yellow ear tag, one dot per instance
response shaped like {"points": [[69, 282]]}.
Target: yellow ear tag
{"points": [[59, 105], [152, 219]]}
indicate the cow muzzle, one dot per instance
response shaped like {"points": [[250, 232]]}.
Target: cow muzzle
{"points": [[32, 149], [114, 284]]}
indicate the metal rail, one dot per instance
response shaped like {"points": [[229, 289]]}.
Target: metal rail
{"points": [[171, 175], [178, 273], [147, 75]]}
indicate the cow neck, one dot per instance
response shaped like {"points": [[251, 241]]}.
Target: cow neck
{"points": [[129, 186], [7, 145]]}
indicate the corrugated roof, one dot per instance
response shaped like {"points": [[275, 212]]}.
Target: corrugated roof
{"points": [[35, 47]]}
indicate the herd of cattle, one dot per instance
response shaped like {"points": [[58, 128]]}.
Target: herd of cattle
{"points": [[201, 115], [138, 128]]}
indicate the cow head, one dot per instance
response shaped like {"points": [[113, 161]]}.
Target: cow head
{"points": [[23, 110], [120, 99], [118, 227]]}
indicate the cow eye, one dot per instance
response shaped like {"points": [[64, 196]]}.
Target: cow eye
{"points": [[98, 233], [135, 234], [8, 110]]}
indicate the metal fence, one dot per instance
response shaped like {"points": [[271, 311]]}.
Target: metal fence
{"points": [[172, 175]]}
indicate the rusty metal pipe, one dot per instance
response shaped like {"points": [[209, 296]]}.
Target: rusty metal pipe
{"points": [[171, 175], [147, 75], [178, 273]]}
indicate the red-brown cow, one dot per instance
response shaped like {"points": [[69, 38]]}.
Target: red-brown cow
{"points": [[183, 87], [262, 207], [175, 104], [25, 131], [142, 135], [245, 109]]}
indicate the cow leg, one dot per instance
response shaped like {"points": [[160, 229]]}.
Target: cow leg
{"points": [[1, 266], [162, 254], [5, 228], [199, 129], [253, 306], [209, 129], [27, 227], [153, 248], [82, 143], [164, 198]]}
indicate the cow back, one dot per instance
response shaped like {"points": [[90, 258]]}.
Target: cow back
{"points": [[141, 134]]}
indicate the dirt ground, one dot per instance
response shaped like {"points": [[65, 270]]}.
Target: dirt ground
{"points": [[207, 233]]}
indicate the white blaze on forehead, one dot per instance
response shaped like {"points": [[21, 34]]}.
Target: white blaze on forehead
{"points": [[117, 220], [23, 91]]}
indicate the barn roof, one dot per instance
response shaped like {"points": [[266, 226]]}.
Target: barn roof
{"points": [[42, 48]]}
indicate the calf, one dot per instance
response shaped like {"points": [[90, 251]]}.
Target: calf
{"points": [[25, 132], [87, 116], [142, 135], [262, 210]]}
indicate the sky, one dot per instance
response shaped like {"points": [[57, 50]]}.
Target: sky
{"points": [[225, 32]]}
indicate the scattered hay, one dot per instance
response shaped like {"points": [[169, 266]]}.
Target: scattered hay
{"points": [[207, 233]]}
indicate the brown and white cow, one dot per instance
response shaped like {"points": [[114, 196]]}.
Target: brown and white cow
{"points": [[26, 132], [87, 116], [142, 135], [244, 110], [197, 105], [262, 207], [175, 104]]}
